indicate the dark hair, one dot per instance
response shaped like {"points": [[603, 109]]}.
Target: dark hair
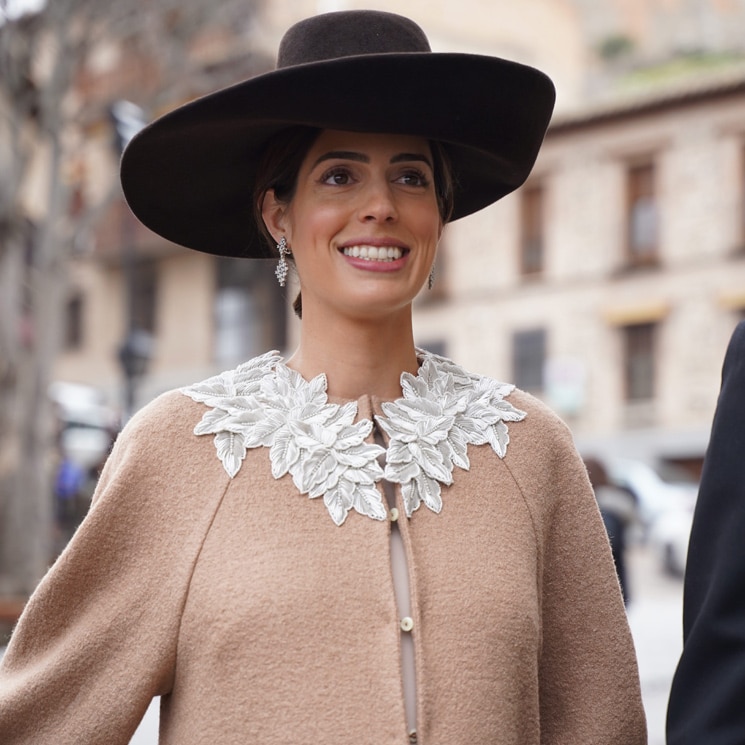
{"points": [[280, 164]]}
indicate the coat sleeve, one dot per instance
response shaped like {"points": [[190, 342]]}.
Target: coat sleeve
{"points": [[708, 691], [97, 638], [588, 677]]}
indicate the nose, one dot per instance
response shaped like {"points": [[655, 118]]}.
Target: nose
{"points": [[378, 203]]}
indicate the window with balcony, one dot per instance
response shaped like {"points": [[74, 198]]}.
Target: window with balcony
{"points": [[642, 216], [639, 361], [532, 230], [529, 359], [144, 291], [73, 329]]}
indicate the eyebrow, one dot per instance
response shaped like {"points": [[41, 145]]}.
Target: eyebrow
{"points": [[362, 158]]}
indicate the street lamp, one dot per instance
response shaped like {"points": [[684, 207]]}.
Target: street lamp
{"points": [[135, 351]]}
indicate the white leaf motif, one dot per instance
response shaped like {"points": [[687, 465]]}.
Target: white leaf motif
{"points": [[284, 454], [230, 450], [444, 408]]}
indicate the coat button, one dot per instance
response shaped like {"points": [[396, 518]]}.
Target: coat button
{"points": [[393, 514], [407, 623]]}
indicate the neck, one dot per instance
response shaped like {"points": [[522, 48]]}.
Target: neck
{"points": [[358, 357]]}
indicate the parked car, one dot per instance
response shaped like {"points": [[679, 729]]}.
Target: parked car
{"points": [[669, 537], [666, 497], [87, 424], [657, 488]]}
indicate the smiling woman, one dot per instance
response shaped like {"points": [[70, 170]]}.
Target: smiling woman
{"points": [[364, 542], [363, 225], [280, 165]]}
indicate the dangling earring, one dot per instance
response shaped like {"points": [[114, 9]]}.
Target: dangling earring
{"points": [[431, 280], [281, 270]]}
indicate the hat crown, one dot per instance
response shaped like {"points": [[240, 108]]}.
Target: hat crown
{"points": [[349, 33]]}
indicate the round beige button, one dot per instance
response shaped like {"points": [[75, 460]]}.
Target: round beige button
{"points": [[407, 623], [393, 514]]}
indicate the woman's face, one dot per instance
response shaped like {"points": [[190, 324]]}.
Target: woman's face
{"points": [[363, 224]]}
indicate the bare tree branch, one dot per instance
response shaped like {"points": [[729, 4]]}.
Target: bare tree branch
{"points": [[46, 62]]}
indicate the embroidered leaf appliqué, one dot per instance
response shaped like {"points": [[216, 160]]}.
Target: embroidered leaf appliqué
{"points": [[263, 403], [230, 450]]}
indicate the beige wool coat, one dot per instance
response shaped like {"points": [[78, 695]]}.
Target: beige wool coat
{"points": [[259, 620]]}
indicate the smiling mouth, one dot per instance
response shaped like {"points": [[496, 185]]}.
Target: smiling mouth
{"points": [[374, 253]]}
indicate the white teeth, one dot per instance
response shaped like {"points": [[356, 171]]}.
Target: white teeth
{"points": [[374, 253]]}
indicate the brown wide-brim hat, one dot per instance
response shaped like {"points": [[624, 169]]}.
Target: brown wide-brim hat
{"points": [[189, 175]]}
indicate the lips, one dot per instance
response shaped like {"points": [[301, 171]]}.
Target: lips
{"points": [[374, 253]]}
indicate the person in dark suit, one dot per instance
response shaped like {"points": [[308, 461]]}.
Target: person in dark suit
{"points": [[707, 699]]}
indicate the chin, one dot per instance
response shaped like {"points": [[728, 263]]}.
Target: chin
{"points": [[377, 308]]}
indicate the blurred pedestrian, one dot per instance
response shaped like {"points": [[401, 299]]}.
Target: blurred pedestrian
{"points": [[618, 509], [69, 483], [707, 699], [460, 592]]}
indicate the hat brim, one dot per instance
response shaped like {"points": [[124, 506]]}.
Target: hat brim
{"points": [[188, 175]]}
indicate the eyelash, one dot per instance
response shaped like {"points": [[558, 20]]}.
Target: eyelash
{"points": [[333, 172], [421, 178]]}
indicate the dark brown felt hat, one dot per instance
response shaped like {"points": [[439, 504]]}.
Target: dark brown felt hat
{"points": [[188, 176]]}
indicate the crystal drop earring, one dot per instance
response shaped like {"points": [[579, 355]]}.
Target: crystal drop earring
{"points": [[281, 270]]}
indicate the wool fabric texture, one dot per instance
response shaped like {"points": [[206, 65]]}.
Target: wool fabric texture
{"points": [[258, 620]]}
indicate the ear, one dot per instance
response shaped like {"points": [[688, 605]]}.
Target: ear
{"points": [[274, 214]]}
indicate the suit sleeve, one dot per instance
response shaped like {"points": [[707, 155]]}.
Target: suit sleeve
{"points": [[97, 639], [708, 691]]}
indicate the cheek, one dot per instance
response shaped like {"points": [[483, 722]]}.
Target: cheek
{"points": [[317, 226], [428, 225]]}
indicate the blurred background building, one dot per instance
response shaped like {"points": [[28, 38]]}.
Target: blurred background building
{"points": [[608, 285]]}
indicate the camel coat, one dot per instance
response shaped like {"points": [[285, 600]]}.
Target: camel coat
{"points": [[257, 619]]}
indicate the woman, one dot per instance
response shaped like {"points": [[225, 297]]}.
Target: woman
{"points": [[363, 543]]}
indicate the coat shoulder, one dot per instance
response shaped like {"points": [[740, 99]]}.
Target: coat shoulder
{"points": [[159, 441], [542, 427]]}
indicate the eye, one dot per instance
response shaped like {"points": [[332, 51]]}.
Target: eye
{"points": [[413, 177], [337, 176]]}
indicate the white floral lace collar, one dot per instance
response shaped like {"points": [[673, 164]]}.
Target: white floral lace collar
{"points": [[443, 410]]}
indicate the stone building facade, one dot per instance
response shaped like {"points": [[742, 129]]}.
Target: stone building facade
{"points": [[609, 283]]}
